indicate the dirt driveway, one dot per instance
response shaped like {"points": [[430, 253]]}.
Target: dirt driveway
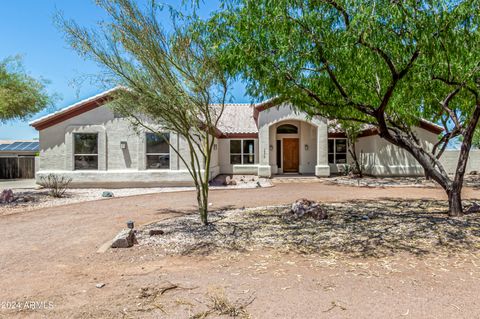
{"points": [[50, 255]]}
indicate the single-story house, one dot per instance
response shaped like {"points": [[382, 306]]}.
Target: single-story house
{"points": [[94, 146], [17, 158]]}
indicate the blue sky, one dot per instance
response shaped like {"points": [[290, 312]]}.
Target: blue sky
{"points": [[28, 29]]}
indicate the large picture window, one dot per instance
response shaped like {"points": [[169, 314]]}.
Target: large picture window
{"points": [[158, 151], [242, 151], [85, 151], [337, 151]]}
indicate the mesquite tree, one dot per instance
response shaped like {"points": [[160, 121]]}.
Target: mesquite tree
{"points": [[385, 63], [169, 80]]}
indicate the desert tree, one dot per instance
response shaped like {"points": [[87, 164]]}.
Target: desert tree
{"points": [[169, 80], [20, 94], [383, 63]]}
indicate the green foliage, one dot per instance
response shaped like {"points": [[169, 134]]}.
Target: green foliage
{"points": [[346, 59], [20, 94], [381, 62]]}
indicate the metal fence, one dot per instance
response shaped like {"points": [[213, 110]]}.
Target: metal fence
{"points": [[17, 167]]}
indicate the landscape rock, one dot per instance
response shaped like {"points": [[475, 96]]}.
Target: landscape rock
{"points": [[100, 285], [124, 239], [7, 196], [229, 181], [307, 208], [107, 194]]}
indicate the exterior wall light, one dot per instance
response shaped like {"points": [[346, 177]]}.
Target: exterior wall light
{"points": [[271, 147], [306, 147], [215, 147], [123, 145]]}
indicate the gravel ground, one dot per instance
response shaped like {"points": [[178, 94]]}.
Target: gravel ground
{"points": [[33, 198], [355, 229], [369, 181]]}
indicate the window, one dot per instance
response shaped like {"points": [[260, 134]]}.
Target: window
{"points": [[158, 151], [242, 152], [85, 147], [287, 129], [337, 151]]}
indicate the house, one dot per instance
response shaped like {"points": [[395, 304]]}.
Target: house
{"points": [[95, 147], [17, 159]]}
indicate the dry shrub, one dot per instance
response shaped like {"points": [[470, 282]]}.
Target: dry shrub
{"points": [[220, 305], [57, 185]]}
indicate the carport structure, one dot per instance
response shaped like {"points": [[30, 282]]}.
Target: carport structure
{"points": [[17, 159]]}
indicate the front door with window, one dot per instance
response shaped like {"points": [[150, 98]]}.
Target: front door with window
{"points": [[290, 155]]}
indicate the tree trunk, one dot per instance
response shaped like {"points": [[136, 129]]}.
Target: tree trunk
{"points": [[455, 201], [202, 200], [353, 153]]}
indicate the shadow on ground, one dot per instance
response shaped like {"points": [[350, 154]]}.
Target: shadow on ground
{"points": [[357, 228]]}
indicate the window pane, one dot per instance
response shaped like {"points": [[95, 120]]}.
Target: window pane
{"points": [[248, 159], [287, 129], [341, 158], [236, 146], [156, 143], [235, 159], [331, 159], [341, 146], [248, 147], [330, 146], [158, 161], [85, 143], [86, 162]]}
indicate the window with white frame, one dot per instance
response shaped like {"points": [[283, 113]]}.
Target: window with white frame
{"points": [[158, 151], [337, 150], [85, 151], [242, 151]]}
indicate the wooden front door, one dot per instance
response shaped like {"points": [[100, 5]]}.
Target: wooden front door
{"points": [[290, 155]]}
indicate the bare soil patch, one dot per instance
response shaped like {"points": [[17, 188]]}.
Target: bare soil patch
{"points": [[50, 255]]}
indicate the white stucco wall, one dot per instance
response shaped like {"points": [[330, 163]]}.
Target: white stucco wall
{"points": [[381, 158], [117, 167], [449, 160]]}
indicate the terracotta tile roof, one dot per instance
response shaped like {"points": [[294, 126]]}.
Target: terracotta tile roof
{"points": [[238, 119]]}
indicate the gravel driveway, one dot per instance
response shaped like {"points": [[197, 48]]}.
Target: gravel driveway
{"points": [[51, 254]]}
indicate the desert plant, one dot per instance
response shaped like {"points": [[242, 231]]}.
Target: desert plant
{"points": [[56, 184], [172, 80]]}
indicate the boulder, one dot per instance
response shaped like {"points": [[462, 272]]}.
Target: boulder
{"points": [[125, 239], [107, 194], [307, 208], [7, 196], [229, 181]]}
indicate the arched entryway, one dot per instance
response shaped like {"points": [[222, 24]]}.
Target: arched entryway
{"points": [[288, 148], [304, 136]]}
